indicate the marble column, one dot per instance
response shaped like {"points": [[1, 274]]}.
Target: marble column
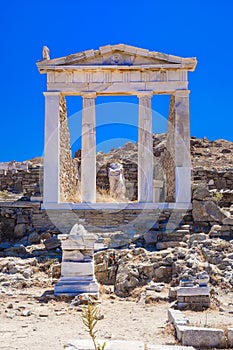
{"points": [[51, 190], [182, 147], [145, 148], [88, 158]]}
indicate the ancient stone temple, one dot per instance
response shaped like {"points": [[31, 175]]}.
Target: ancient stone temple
{"points": [[116, 70]]}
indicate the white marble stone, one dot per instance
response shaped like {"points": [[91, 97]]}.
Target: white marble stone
{"points": [[192, 291], [145, 148], [51, 148], [157, 187], [182, 147], [76, 285], [76, 269], [183, 184], [88, 159]]}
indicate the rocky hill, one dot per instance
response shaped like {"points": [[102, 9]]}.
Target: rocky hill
{"points": [[210, 155]]}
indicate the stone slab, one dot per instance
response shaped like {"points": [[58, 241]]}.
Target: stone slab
{"points": [[122, 345], [69, 269], [115, 206], [72, 287], [192, 291], [76, 255], [176, 317], [203, 337]]}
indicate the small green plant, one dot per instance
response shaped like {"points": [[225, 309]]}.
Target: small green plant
{"points": [[90, 316], [217, 196], [4, 194]]}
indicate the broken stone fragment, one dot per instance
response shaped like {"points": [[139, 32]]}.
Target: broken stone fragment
{"points": [[52, 243]]}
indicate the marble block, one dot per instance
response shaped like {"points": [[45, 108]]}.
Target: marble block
{"points": [[69, 269]]}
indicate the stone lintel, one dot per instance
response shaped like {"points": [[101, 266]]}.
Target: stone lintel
{"points": [[118, 88]]}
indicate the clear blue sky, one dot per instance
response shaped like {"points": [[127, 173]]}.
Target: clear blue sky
{"points": [[201, 28]]}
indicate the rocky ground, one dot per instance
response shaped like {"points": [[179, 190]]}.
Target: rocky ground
{"points": [[134, 282], [134, 293]]}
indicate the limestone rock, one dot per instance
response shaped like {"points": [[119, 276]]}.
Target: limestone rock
{"points": [[34, 238], [52, 243], [197, 237], [201, 193], [5, 245], [215, 230], [20, 230], [56, 270], [17, 249], [207, 211]]}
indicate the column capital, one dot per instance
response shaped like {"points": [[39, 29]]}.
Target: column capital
{"points": [[88, 94], [52, 93], [144, 94], [182, 93]]}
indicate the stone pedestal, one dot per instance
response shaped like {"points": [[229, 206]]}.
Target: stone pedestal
{"points": [[77, 270]]}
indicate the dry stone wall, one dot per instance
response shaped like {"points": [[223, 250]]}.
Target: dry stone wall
{"points": [[68, 166], [168, 156], [28, 182]]}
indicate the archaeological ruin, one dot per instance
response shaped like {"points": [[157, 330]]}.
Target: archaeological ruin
{"points": [[116, 70]]}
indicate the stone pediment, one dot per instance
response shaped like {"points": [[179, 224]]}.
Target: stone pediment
{"points": [[118, 55]]}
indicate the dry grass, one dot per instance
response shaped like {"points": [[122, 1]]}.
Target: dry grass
{"points": [[74, 197], [104, 196]]}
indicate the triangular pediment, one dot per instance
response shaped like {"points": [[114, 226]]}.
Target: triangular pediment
{"points": [[117, 55]]}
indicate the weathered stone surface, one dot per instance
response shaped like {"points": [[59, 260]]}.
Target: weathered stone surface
{"points": [[18, 249], [207, 211], [230, 337], [203, 337], [56, 270], [34, 237], [201, 193], [69, 190], [52, 243], [20, 230], [198, 237]]}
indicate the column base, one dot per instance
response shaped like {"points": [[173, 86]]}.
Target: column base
{"points": [[72, 286]]}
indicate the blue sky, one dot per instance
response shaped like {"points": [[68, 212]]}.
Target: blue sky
{"points": [[185, 28]]}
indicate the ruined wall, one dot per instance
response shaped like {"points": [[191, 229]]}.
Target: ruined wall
{"points": [[68, 167], [113, 227], [28, 182], [168, 156]]}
